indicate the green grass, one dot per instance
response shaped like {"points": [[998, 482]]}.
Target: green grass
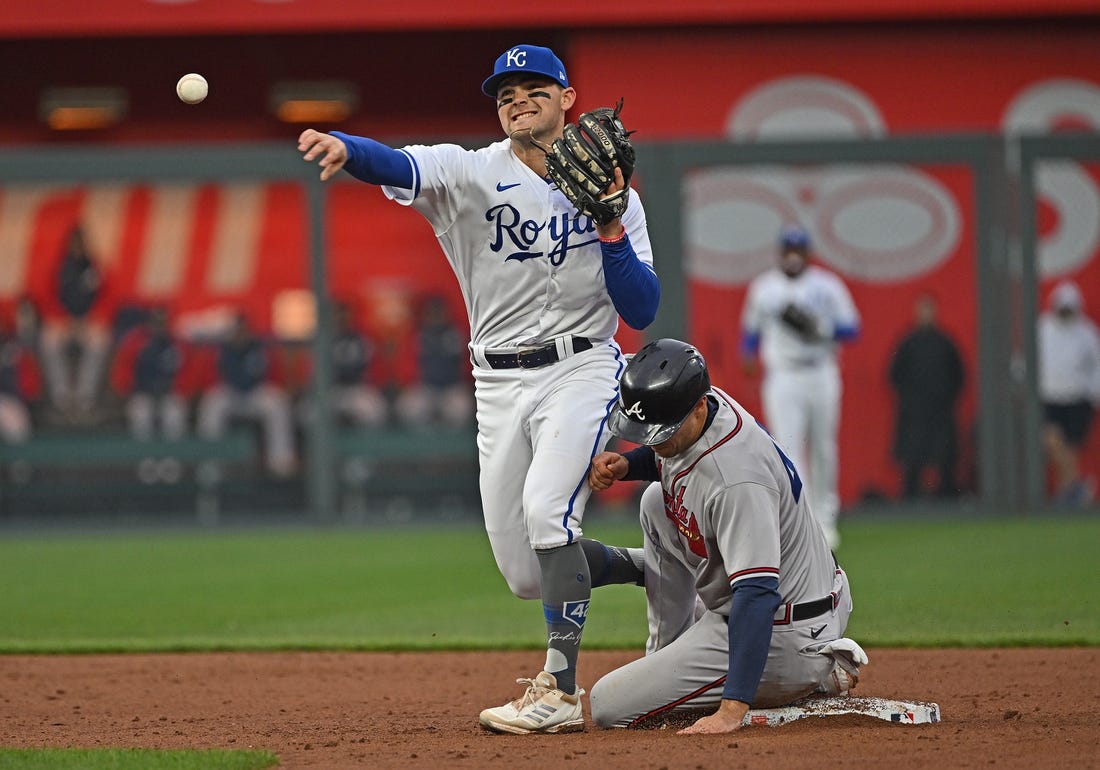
{"points": [[928, 582], [134, 759], [987, 582]]}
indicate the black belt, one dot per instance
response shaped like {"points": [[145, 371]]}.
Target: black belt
{"points": [[534, 357], [808, 610]]}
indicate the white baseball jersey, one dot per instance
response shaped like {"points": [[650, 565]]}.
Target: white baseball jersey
{"points": [[815, 290], [802, 385], [530, 268], [527, 261]]}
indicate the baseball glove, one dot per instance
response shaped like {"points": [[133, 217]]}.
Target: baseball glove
{"points": [[799, 320], [582, 163]]}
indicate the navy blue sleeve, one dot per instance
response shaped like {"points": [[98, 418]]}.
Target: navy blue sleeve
{"points": [[750, 343], [642, 465], [631, 283], [375, 163], [846, 333], [755, 601]]}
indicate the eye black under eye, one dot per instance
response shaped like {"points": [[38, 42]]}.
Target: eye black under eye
{"points": [[542, 94], [503, 101]]}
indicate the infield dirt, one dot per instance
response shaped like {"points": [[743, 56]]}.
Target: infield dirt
{"points": [[1030, 708]]}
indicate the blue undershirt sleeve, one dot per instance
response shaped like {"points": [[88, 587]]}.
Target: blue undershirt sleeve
{"points": [[642, 465], [755, 601], [631, 283], [846, 333], [750, 343], [375, 163]]}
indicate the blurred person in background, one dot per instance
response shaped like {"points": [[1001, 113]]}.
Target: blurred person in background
{"points": [[76, 338], [927, 374], [149, 374], [20, 385], [795, 317], [146, 372], [1069, 388], [443, 393], [356, 400], [28, 323], [246, 390]]}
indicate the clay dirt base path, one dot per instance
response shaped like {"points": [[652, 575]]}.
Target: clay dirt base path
{"points": [[1019, 708]]}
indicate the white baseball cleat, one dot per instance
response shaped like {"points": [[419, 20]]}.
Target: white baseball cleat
{"points": [[543, 708]]}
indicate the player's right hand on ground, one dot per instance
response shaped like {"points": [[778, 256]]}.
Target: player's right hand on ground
{"points": [[332, 152], [607, 468]]}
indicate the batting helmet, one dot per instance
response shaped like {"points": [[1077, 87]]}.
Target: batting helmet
{"points": [[659, 388]]}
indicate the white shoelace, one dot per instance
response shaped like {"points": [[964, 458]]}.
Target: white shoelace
{"points": [[533, 693]]}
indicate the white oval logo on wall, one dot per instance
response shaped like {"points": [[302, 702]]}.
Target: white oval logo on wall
{"points": [[1065, 186], [804, 105], [880, 222]]}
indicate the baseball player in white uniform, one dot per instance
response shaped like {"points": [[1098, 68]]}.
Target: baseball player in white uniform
{"points": [[795, 316], [544, 288], [727, 523]]}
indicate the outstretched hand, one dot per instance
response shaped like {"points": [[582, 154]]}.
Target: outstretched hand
{"points": [[333, 153], [726, 719]]}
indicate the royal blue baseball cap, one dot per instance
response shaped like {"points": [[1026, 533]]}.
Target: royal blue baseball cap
{"points": [[532, 59], [794, 237]]}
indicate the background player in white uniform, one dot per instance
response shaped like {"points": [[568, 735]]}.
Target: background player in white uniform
{"points": [[794, 316], [544, 288], [728, 522]]}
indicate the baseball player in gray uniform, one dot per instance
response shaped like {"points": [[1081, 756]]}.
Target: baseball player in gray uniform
{"points": [[795, 316], [728, 525], [544, 288]]}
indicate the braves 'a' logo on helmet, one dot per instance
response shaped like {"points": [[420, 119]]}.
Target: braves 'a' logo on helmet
{"points": [[635, 411]]}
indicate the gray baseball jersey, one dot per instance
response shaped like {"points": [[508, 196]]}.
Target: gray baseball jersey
{"points": [[738, 504], [729, 508]]}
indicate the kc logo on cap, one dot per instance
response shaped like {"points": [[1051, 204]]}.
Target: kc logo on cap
{"points": [[531, 59]]}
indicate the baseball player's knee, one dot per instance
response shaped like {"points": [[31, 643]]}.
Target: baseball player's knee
{"points": [[523, 584], [605, 710]]}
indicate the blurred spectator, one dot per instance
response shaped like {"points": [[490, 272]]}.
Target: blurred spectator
{"points": [[148, 372], [76, 337], [19, 386], [1069, 388], [354, 397], [443, 393], [246, 391], [927, 374], [28, 323]]}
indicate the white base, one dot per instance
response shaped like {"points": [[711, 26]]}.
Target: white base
{"points": [[896, 711]]}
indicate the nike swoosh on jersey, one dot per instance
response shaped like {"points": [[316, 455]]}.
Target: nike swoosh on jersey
{"points": [[501, 187], [817, 633]]}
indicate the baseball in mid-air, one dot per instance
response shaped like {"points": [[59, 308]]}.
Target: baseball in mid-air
{"points": [[192, 88]]}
